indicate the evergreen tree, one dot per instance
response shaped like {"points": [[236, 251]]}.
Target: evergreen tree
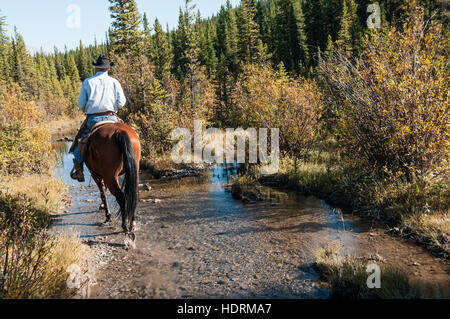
{"points": [[125, 33], [59, 64], [83, 63], [71, 67], [344, 40], [266, 16], [207, 52], [179, 40], [250, 44], [4, 50], [227, 39], [228, 62], [160, 52], [292, 48], [147, 38], [192, 52], [22, 66], [330, 47]]}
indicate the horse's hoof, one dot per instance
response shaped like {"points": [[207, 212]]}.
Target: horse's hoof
{"points": [[130, 241]]}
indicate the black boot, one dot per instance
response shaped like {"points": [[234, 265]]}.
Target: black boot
{"points": [[77, 172]]}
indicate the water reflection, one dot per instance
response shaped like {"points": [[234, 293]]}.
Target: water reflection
{"points": [[65, 164]]}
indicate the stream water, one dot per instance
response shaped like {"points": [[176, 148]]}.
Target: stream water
{"points": [[195, 241]]}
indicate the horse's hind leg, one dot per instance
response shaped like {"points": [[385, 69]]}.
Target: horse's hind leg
{"points": [[114, 187], [104, 206]]}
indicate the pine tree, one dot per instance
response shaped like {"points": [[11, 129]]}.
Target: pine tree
{"points": [[250, 42], [83, 63], [348, 21], [356, 28], [344, 37], [22, 66], [192, 53], [228, 62], [71, 67], [207, 52], [59, 64], [291, 46], [125, 31], [179, 40], [266, 16], [4, 50], [227, 39], [160, 52], [147, 38], [330, 47]]}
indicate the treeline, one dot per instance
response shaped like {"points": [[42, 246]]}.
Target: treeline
{"points": [[292, 32], [202, 69], [51, 80]]}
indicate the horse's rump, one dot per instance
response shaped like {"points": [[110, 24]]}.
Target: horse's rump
{"points": [[114, 150]]}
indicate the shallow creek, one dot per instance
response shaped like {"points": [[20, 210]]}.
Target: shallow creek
{"points": [[195, 241]]}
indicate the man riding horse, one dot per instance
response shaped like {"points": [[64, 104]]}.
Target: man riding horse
{"points": [[110, 148], [100, 98]]}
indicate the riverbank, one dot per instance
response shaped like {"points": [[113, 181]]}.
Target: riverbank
{"points": [[30, 195], [65, 125], [431, 231]]}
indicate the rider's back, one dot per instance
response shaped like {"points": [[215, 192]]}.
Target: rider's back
{"points": [[101, 93]]}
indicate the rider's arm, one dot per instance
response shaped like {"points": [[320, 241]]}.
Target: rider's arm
{"points": [[120, 96], [83, 98]]}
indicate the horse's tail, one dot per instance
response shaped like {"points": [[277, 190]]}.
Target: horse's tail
{"points": [[130, 182]]}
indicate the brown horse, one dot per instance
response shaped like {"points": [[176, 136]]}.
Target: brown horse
{"points": [[114, 150]]}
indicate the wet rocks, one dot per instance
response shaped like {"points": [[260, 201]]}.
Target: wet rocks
{"points": [[65, 139], [196, 170], [151, 200], [247, 194]]}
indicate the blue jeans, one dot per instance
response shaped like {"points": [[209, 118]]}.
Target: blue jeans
{"points": [[92, 120]]}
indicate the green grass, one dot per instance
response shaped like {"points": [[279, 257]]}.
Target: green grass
{"points": [[347, 277]]}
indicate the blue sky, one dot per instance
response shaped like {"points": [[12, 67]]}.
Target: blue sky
{"points": [[43, 23]]}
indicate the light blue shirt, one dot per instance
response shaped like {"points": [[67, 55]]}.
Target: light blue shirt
{"points": [[101, 93]]}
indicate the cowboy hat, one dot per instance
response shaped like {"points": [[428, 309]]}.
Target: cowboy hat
{"points": [[103, 63]]}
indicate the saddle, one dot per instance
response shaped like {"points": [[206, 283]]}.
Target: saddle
{"points": [[83, 143]]}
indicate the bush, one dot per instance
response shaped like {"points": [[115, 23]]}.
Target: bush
{"points": [[45, 193], [33, 262], [24, 150], [15, 107], [267, 99], [392, 106], [24, 141]]}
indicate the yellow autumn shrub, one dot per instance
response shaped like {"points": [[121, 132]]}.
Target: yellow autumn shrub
{"points": [[24, 140], [265, 98], [392, 105]]}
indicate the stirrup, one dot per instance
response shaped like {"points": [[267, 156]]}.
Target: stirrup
{"points": [[78, 177]]}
